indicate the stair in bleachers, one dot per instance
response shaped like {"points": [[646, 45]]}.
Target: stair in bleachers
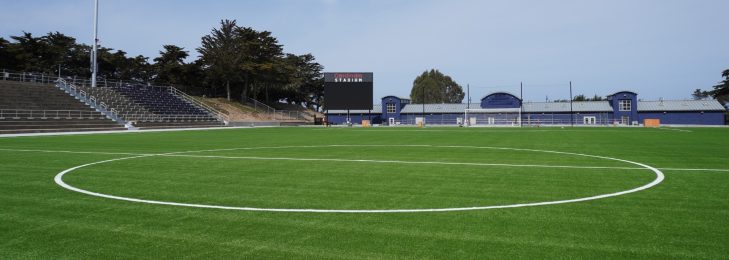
{"points": [[34, 107], [125, 108]]}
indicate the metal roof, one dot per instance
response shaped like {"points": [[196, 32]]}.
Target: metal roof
{"points": [[437, 108], [680, 105], [577, 106], [376, 109]]}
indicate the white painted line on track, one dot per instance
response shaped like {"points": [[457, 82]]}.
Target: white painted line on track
{"points": [[659, 178]]}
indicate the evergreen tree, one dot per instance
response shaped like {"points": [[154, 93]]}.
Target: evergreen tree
{"points": [[435, 87]]}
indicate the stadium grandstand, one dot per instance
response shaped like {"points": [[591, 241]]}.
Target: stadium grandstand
{"points": [[31, 102], [505, 109]]}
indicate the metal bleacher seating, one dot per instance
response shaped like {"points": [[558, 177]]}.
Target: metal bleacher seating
{"points": [[28, 107], [163, 109], [31, 102]]}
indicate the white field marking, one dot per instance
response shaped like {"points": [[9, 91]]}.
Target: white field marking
{"points": [[659, 178], [180, 154], [676, 129], [400, 162], [76, 152], [695, 170], [493, 130], [129, 131]]}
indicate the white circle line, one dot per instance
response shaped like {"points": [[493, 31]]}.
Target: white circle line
{"points": [[659, 178]]}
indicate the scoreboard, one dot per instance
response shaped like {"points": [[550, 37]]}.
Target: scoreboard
{"points": [[348, 90]]}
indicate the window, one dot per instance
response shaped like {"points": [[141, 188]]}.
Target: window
{"points": [[624, 105], [390, 108]]}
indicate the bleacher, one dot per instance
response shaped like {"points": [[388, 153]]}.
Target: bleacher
{"points": [[28, 107], [167, 110], [31, 102]]}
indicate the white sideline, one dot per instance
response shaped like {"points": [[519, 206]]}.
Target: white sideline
{"points": [[659, 178], [127, 131]]}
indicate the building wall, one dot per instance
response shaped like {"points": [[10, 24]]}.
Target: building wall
{"points": [[615, 103], [506, 100], [398, 107], [564, 118], [510, 118], [678, 118], [685, 118], [339, 119], [432, 119]]}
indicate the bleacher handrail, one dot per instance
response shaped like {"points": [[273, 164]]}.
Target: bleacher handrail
{"points": [[91, 101], [184, 96], [43, 114]]}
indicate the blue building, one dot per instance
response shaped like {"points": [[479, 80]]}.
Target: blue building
{"points": [[501, 108]]}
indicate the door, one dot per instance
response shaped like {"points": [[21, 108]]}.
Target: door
{"points": [[391, 121], [491, 121], [589, 120]]}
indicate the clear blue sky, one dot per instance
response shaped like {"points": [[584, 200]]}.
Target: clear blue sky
{"points": [[658, 48]]}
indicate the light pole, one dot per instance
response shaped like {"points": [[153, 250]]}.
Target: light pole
{"points": [[94, 67]]}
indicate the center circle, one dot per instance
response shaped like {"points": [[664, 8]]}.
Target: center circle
{"points": [[659, 176]]}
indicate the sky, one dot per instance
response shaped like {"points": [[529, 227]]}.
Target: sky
{"points": [[657, 48]]}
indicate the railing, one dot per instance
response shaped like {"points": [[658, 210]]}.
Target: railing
{"points": [[273, 113], [27, 77], [45, 114], [51, 79], [288, 115], [214, 112], [90, 100], [165, 118]]}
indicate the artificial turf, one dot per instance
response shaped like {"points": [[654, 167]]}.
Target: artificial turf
{"points": [[685, 216]]}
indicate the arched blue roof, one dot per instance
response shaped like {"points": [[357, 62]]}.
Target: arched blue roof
{"points": [[625, 91], [401, 98], [500, 100], [500, 92]]}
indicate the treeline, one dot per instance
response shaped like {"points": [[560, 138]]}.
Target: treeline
{"points": [[719, 92], [581, 97], [235, 62]]}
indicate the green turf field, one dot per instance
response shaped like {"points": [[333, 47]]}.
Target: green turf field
{"points": [[355, 170]]}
